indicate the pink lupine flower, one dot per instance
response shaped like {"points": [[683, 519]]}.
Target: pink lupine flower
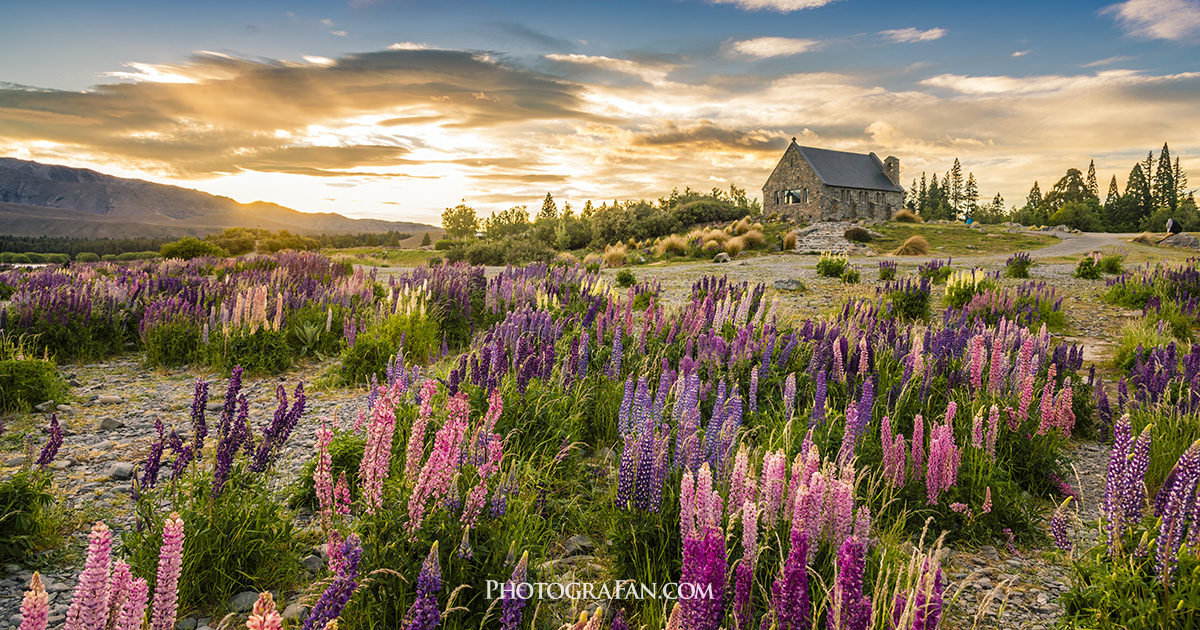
{"points": [[323, 473], [993, 431], [35, 606], [373, 469], [944, 458], [977, 431], [89, 606], [987, 501], [1049, 411], [118, 590], [1066, 412], [773, 486], [476, 499], [999, 368], [894, 458], [864, 356], [264, 616], [341, 495], [1026, 397], [737, 479], [166, 587], [134, 613], [743, 605], [918, 447], [839, 373], [840, 510], [438, 472], [977, 360]]}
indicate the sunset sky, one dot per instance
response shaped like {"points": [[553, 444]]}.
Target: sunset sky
{"points": [[396, 109]]}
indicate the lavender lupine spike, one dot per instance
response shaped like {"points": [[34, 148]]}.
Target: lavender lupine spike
{"points": [[818, 411], [50, 450], [424, 613], [329, 606], [1115, 485], [1177, 507], [1058, 526], [89, 605], [513, 603], [789, 396], [199, 424]]}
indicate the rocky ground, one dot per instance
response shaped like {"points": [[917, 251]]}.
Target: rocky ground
{"points": [[111, 426]]}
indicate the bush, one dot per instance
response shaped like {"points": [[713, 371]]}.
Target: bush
{"points": [[789, 241], [914, 246], [1088, 267], [909, 299], [831, 266], [172, 344], [28, 382], [614, 255], [378, 343], [1017, 265], [963, 286], [443, 244], [887, 270], [935, 271], [263, 352], [673, 245], [190, 247], [858, 235], [87, 257], [1111, 263], [907, 216], [28, 522], [625, 278], [851, 275], [346, 452], [20, 259], [754, 238]]}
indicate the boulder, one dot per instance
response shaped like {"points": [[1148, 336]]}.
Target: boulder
{"points": [[1183, 240], [242, 602], [721, 258], [789, 284], [120, 471]]}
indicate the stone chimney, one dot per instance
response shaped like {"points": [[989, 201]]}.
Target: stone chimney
{"points": [[891, 168]]}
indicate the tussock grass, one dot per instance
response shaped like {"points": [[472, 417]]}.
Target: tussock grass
{"points": [[914, 246], [907, 216]]}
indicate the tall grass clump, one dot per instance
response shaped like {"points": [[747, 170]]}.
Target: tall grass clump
{"points": [[914, 246], [789, 241], [672, 245], [614, 255], [27, 379], [30, 522], [907, 216], [909, 299], [734, 246]]}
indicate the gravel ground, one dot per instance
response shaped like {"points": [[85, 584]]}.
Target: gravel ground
{"points": [[94, 463]]}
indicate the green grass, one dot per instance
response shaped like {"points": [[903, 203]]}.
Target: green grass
{"points": [[957, 240], [381, 256]]}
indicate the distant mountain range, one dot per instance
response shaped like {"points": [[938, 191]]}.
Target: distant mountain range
{"points": [[49, 200]]}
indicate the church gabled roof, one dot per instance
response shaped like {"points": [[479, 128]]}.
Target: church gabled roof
{"points": [[848, 170]]}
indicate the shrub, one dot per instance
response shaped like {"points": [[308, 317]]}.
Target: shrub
{"points": [[753, 238], [909, 298], [734, 246], [190, 247], [614, 255], [1111, 263], [962, 286], [25, 380], [434, 261], [858, 235], [887, 270], [831, 266], [20, 259], [345, 452], [172, 344], [741, 227], [443, 244], [673, 245], [1017, 265], [28, 521], [378, 343], [850, 275], [1088, 267], [935, 271], [914, 246], [625, 278], [789, 240], [87, 257], [907, 216], [262, 352]]}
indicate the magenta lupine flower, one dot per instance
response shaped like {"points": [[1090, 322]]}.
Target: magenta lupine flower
{"points": [[977, 359], [743, 606], [134, 613], [998, 371], [927, 597], [703, 552], [993, 431], [512, 603], [35, 606], [918, 447], [329, 606], [789, 396], [89, 605], [618, 622], [791, 606], [773, 485], [166, 586], [323, 472], [944, 458], [1058, 526], [850, 608]]}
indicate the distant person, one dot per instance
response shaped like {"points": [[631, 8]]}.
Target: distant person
{"points": [[1173, 227]]}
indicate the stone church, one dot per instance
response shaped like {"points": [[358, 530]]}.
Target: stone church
{"points": [[819, 184]]}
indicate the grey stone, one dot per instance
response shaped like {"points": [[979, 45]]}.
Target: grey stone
{"points": [[65, 409], [989, 552], [312, 563], [187, 623], [111, 424], [43, 407], [19, 460], [120, 471], [578, 544], [102, 446], [242, 601], [215, 406], [789, 284], [294, 611], [1182, 240], [109, 399], [12, 568], [721, 258]]}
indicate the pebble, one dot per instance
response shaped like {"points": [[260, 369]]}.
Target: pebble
{"points": [[242, 602], [120, 471], [111, 424], [110, 400]]}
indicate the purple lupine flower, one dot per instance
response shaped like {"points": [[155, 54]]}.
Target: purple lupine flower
{"points": [[851, 608], [329, 606], [753, 394], [424, 613], [199, 424], [791, 606], [1115, 489], [743, 606], [613, 369], [231, 398], [512, 600], [618, 622], [51, 448], [1176, 508], [1058, 526], [818, 411], [927, 597], [789, 396], [227, 448], [154, 460]]}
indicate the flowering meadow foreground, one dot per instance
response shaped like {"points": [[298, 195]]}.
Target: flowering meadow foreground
{"points": [[542, 449]]}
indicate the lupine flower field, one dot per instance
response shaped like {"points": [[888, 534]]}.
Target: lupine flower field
{"points": [[768, 470]]}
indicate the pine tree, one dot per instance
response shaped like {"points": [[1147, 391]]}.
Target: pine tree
{"points": [[1093, 187], [1164, 181], [567, 212], [549, 208], [588, 210], [971, 195], [1139, 188], [956, 188], [1181, 181], [923, 196], [1148, 173], [1035, 197], [1114, 194]]}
